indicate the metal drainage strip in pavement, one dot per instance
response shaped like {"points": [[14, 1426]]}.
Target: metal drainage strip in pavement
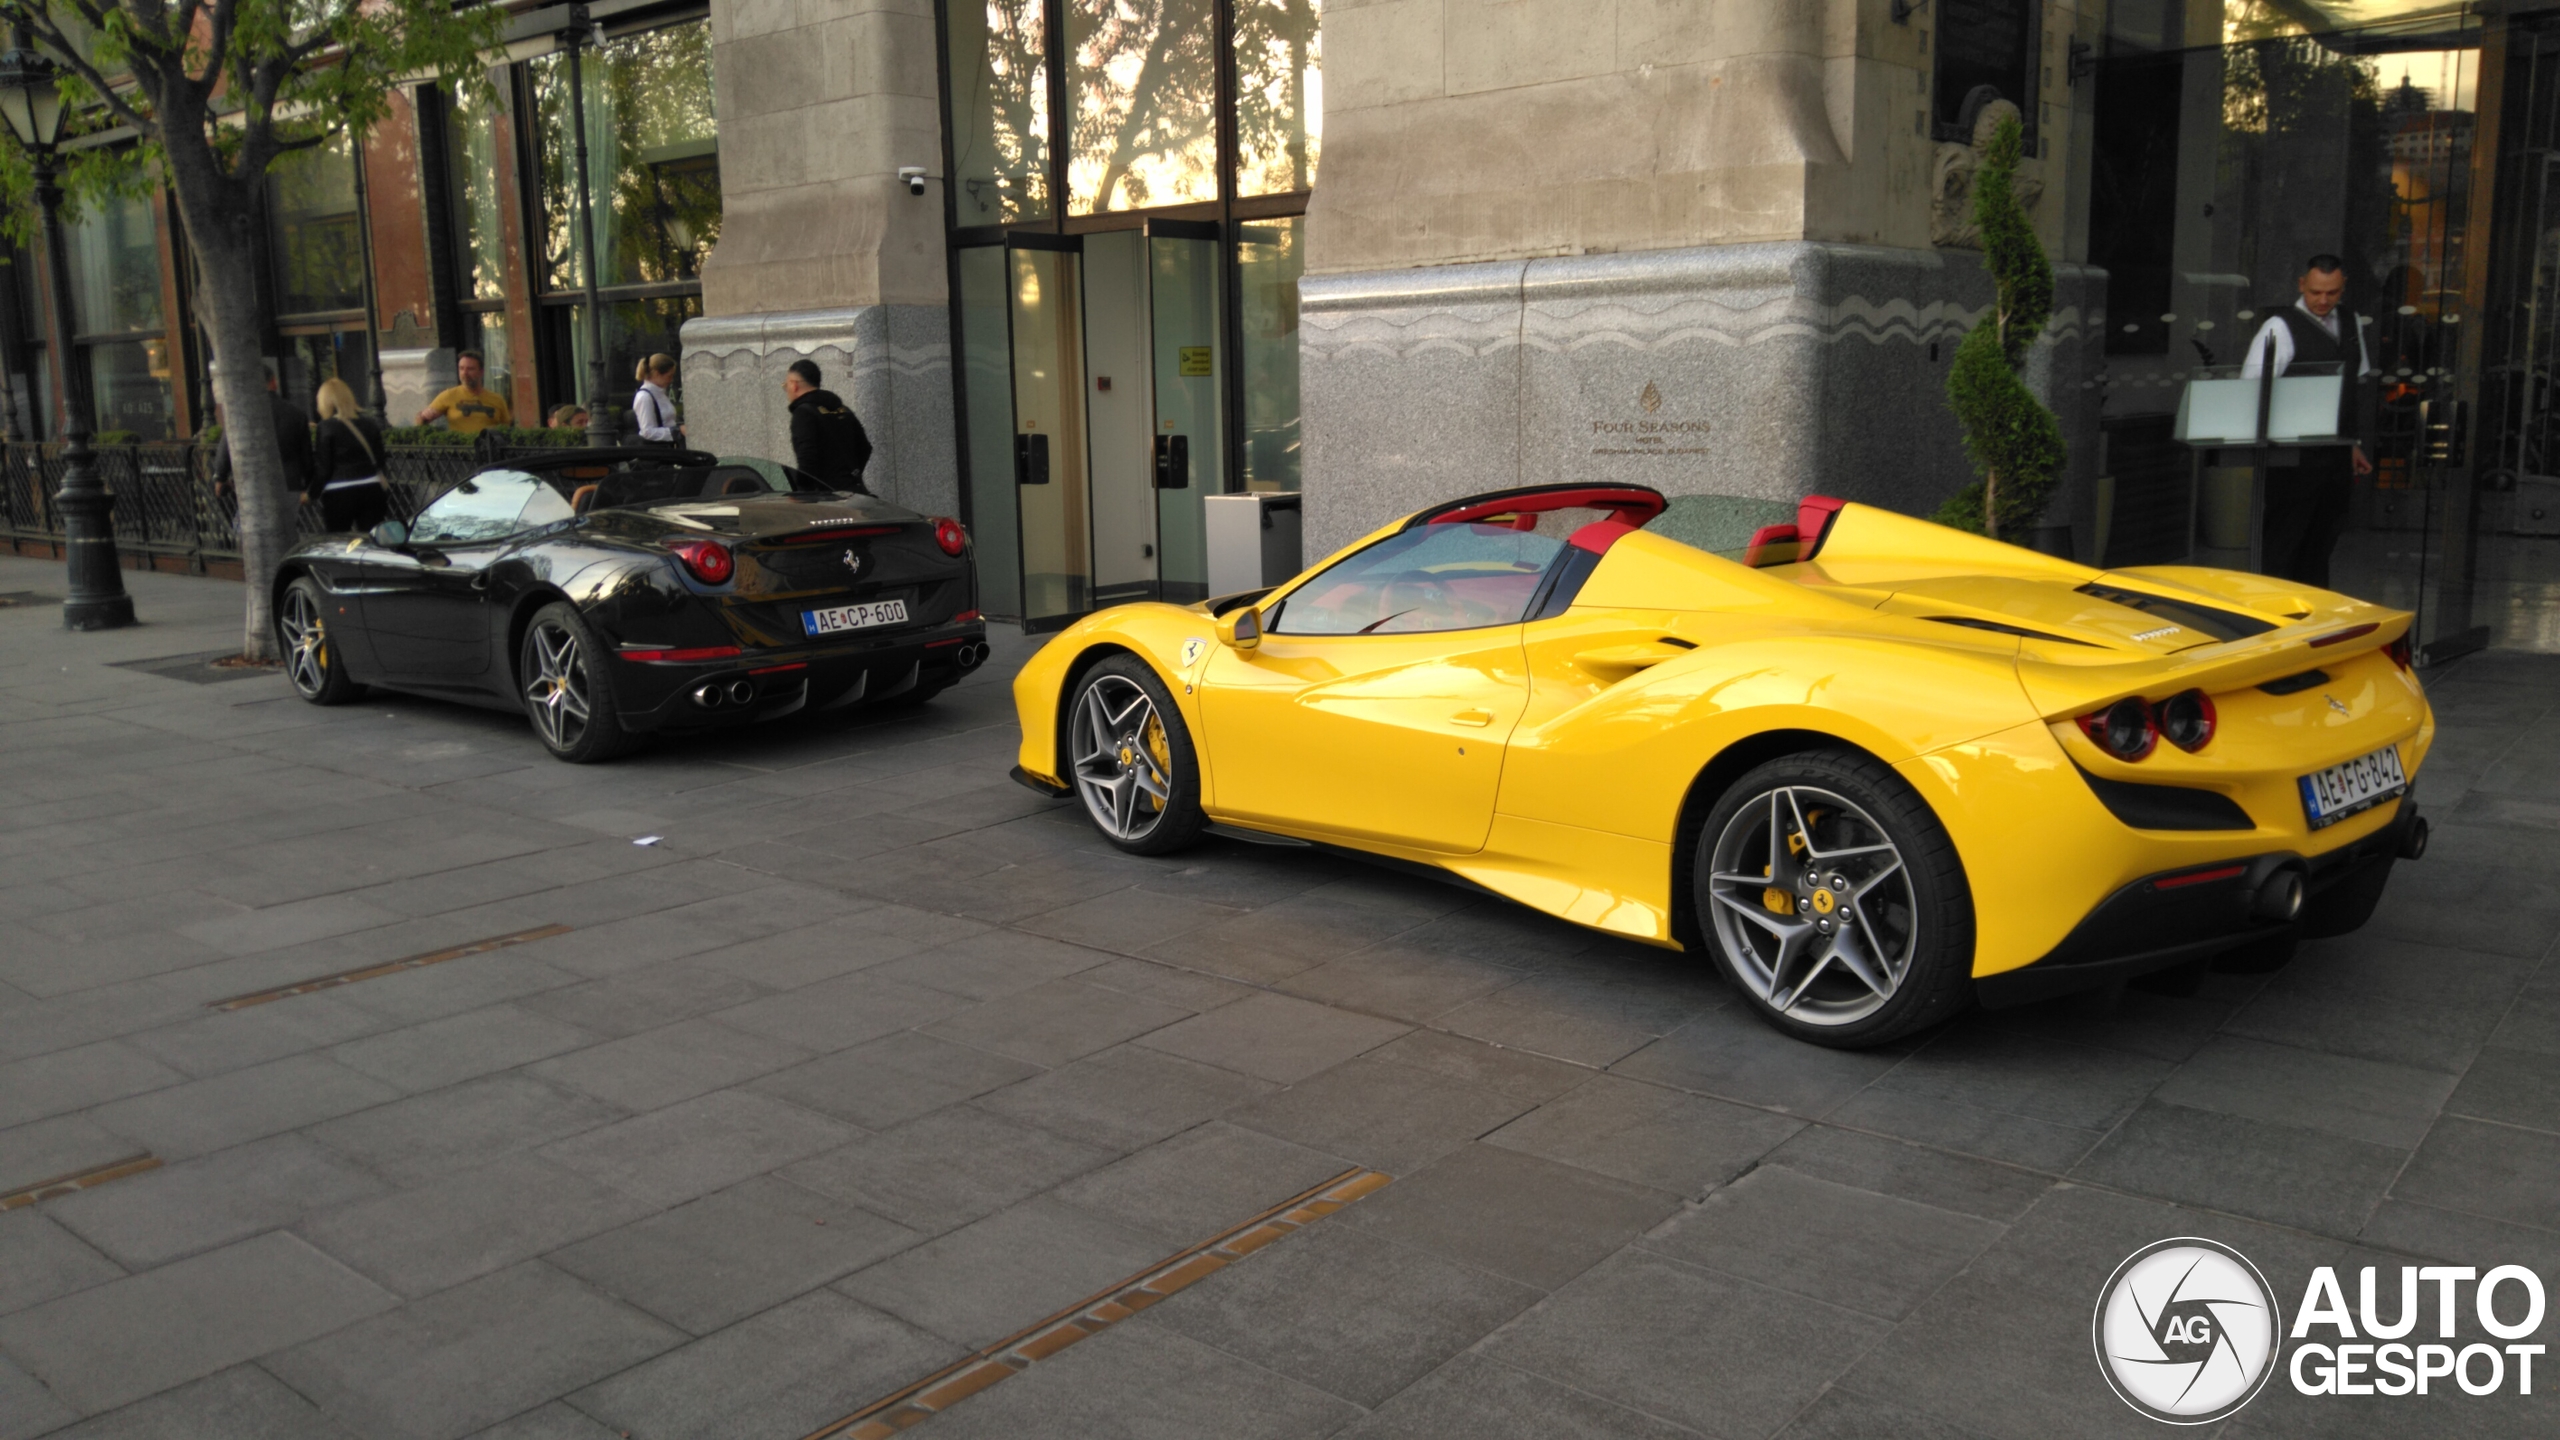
{"points": [[388, 967], [77, 1180], [1095, 1313]]}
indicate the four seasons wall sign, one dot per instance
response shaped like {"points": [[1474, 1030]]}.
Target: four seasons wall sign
{"points": [[1648, 432]]}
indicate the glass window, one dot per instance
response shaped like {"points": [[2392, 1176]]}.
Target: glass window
{"points": [[1279, 95], [473, 157], [1432, 577], [318, 246], [115, 267], [1270, 255], [999, 112], [491, 505], [653, 156], [1144, 85], [633, 330], [129, 388]]}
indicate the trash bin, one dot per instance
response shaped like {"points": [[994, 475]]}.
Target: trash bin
{"points": [[1253, 540]]}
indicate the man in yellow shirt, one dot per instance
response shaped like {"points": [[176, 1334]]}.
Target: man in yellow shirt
{"points": [[467, 409]]}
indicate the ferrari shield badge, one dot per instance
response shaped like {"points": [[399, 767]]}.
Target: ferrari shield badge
{"points": [[1191, 651]]}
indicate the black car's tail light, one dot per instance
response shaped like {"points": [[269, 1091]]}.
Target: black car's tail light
{"points": [[2124, 730], [948, 534], [2186, 718], [708, 560], [2398, 650]]}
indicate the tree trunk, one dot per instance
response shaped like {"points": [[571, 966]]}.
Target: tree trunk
{"points": [[268, 498]]}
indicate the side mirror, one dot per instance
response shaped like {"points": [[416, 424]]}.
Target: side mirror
{"points": [[391, 534], [1241, 628]]}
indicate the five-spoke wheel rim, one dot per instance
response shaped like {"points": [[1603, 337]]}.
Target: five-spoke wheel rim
{"points": [[1123, 765], [306, 643], [1813, 906], [556, 692]]}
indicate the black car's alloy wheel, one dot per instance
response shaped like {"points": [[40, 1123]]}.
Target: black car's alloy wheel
{"points": [[303, 634], [567, 692], [1834, 900], [1130, 758]]}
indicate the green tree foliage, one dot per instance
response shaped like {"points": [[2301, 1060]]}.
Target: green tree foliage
{"points": [[216, 91], [2015, 442]]}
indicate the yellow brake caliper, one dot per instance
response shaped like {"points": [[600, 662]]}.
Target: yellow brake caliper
{"points": [[1162, 753]]}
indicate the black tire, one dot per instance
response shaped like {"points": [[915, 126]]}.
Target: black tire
{"points": [[1908, 929], [316, 667], [1131, 764], [2348, 903], [566, 686]]}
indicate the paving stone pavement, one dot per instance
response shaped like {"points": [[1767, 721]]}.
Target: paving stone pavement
{"points": [[875, 1057]]}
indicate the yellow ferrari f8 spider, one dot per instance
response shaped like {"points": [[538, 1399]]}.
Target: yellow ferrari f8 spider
{"points": [[1879, 769]]}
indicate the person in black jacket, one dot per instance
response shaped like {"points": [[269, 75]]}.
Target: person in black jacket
{"points": [[827, 441], [293, 443], [346, 463]]}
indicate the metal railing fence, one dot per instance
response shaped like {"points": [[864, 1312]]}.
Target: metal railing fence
{"points": [[169, 508]]}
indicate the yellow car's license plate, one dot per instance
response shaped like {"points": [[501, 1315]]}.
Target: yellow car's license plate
{"points": [[2331, 795], [854, 617]]}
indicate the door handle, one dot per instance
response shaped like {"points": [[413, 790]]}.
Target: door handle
{"points": [[1173, 462], [480, 581], [1476, 718]]}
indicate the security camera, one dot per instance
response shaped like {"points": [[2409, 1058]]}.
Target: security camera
{"points": [[914, 176]]}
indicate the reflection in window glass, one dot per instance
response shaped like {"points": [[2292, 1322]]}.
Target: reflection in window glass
{"points": [[479, 231], [129, 388], [319, 250], [1432, 577], [115, 267], [1144, 88], [1279, 95], [653, 154], [633, 330], [484, 507], [999, 112], [1270, 255]]}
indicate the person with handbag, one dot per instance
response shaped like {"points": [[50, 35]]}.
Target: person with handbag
{"points": [[653, 412], [346, 463]]}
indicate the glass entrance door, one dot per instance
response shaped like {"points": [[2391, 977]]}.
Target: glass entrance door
{"points": [[1186, 323], [1052, 500]]}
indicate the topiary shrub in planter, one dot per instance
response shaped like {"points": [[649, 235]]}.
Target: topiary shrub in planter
{"points": [[2015, 442]]}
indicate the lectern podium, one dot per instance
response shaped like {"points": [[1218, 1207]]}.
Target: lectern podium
{"points": [[2270, 419]]}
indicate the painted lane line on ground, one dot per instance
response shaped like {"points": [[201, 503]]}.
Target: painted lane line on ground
{"points": [[388, 967], [1097, 1312], [78, 1180]]}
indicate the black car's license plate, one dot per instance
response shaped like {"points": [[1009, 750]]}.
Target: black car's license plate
{"points": [[2331, 795], [837, 618]]}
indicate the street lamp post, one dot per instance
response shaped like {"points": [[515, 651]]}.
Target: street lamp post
{"points": [[31, 101], [601, 429]]}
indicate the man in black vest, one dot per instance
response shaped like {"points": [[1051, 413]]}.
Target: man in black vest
{"points": [[826, 439], [2306, 504]]}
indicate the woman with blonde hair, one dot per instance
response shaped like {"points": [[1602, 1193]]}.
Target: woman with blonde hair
{"points": [[346, 463], [651, 409]]}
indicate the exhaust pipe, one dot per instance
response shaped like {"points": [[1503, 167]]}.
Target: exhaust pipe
{"points": [[741, 692], [970, 655], [2280, 898], [707, 696], [2413, 840]]}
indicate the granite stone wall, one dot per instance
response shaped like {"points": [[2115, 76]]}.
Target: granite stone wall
{"points": [[1772, 370], [891, 363]]}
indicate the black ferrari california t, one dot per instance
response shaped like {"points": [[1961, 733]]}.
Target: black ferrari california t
{"points": [[608, 594]]}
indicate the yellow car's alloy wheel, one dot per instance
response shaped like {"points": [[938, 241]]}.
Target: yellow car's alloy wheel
{"points": [[1813, 906], [1122, 762]]}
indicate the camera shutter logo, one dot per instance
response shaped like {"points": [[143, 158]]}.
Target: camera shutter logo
{"points": [[2186, 1331]]}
